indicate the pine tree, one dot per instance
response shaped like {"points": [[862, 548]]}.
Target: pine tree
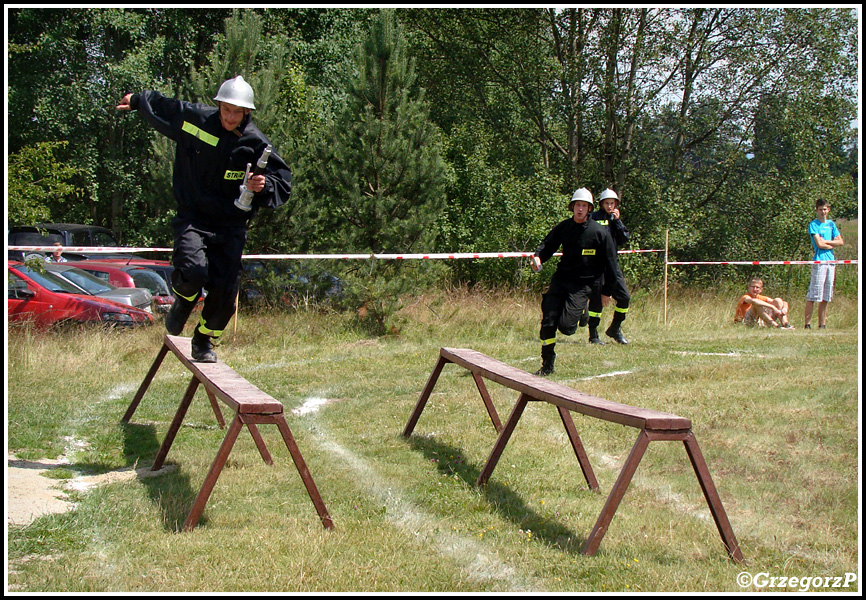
{"points": [[381, 170], [381, 166]]}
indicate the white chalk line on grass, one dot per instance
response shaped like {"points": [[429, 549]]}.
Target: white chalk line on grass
{"points": [[726, 354], [310, 405], [599, 376], [479, 564]]}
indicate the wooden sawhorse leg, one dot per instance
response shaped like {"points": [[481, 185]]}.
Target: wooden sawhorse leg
{"points": [[502, 440], [713, 500], [222, 456], [175, 425], [630, 467], [213, 474], [488, 403], [145, 384], [425, 395], [216, 409], [577, 446], [428, 389], [178, 421], [133, 406], [616, 494], [303, 471], [508, 429]]}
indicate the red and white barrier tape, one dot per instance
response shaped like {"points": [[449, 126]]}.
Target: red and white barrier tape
{"points": [[429, 256], [88, 249], [441, 255], [770, 262]]}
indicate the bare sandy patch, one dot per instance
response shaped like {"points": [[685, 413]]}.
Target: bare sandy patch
{"points": [[30, 494]]}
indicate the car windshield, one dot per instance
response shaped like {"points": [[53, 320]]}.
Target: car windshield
{"points": [[145, 278], [49, 281], [86, 281], [101, 238]]}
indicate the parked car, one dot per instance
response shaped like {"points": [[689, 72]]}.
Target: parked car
{"points": [[66, 234], [163, 267], [46, 299], [89, 284], [123, 275], [274, 282]]}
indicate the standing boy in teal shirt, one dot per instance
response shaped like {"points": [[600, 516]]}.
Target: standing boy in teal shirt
{"points": [[825, 237]]}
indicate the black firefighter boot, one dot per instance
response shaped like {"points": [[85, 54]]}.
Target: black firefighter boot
{"points": [[548, 357], [593, 337], [593, 330], [202, 348], [614, 330], [178, 314]]}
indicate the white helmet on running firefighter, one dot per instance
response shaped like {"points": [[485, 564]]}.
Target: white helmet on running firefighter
{"points": [[583, 195], [236, 91], [608, 193]]}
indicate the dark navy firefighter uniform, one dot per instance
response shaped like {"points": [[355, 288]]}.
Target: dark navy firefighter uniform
{"points": [[209, 230], [588, 252], [614, 281]]}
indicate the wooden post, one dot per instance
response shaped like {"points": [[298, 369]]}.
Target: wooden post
{"points": [[666, 279], [237, 309]]}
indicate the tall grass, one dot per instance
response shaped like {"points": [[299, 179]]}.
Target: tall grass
{"points": [[775, 413]]}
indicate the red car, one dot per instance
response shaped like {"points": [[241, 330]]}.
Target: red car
{"points": [[45, 299], [163, 267], [120, 274]]}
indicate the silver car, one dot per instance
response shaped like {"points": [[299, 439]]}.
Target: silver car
{"points": [[89, 284]]}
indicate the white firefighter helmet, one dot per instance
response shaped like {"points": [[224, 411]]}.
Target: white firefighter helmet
{"points": [[608, 193], [236, 91], [582, 194]]}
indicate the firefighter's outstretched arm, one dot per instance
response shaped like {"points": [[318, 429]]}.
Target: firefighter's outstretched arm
{"points": [[124, 103]]}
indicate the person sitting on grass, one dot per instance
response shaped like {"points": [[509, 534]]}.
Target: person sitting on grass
{"points": [[763, 311]]}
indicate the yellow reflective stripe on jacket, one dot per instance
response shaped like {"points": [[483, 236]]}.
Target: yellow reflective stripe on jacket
{"points": [[200, 134]]}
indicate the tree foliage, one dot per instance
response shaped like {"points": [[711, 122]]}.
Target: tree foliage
{"points": [[456, 129], [378, 166], [40, 186]]}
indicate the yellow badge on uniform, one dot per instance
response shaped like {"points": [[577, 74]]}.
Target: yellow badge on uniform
{"points": [[234, 175], [589, 251]]}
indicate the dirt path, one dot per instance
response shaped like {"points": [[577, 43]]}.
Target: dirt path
{"points": [[30, 495]]}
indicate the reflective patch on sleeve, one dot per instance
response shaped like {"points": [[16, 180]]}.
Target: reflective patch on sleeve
{"points": [[200, 134], [588, 252]]}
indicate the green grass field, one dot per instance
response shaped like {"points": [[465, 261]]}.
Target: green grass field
{"points": [[776, 414]]}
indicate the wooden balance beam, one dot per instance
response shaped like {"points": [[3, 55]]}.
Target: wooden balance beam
{"points": [[251, 407], [653, 425]]}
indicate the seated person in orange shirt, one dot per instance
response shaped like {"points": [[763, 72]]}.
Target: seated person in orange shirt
{"points": [[755, 309]]}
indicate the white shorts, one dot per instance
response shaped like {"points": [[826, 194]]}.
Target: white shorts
{"points": [[751, 318], [821, 285]]}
